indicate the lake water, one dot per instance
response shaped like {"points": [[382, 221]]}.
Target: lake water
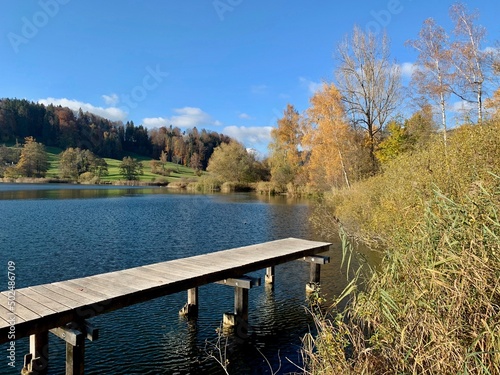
{"points": [[60, 232]]}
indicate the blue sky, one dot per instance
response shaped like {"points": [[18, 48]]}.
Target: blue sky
{"points": [[226, 65]]}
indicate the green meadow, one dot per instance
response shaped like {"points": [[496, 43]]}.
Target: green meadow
{"points": [[179, 172]]}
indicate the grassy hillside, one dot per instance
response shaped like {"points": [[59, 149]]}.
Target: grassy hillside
{"points": [[180, 172]]}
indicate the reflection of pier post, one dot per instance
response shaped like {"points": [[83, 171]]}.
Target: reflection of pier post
{"points": [[315, 271]]}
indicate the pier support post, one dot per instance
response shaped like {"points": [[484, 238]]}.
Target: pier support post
{"points": [[239, 318], [315, 271], [241, 303], [37, 361], [74, 334], [75, 357], [270, 275], [190, 309]]}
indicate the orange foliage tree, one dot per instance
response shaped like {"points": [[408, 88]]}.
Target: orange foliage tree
{"points": [[328, 139], [285, 158]]}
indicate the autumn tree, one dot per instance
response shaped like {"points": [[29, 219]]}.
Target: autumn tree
{"points": [[131, 168], [396, 142], [34, 160], [9, 156], [421, 126], [433, 74], [74, 162], [285, 158], [232, 163], [472, 62], [493, 104], [369, 83], [328, 139]]}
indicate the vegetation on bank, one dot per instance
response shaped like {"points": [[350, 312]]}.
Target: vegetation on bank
{"points": [[429, 201], [433, 305]]}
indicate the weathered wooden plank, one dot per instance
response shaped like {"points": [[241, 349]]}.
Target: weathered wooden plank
{"points": [[162, 274], [45, 292], [176, 268], [5, 315], [64, 295], [20, 310], [199, 266], [148, 275], [113, 284], [43, 300], [76, 288], [33, 305]]}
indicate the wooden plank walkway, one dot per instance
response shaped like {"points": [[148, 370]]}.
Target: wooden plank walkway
{"points": [[44, 307]]}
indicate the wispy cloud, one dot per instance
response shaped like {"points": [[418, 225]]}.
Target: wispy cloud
{"points": [[311, 86], [111, 113], [112, 99], [187, 117], [462, 107], [245, 116], [407, 69], [250, 136]]}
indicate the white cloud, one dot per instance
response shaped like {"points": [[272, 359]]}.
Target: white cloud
{"points": [[407, 69], [112, 99], [250, 136], [187, 117], [462, 106], [311, 86], [492, 50], [155, 122], [245, 116], [111, 113]]}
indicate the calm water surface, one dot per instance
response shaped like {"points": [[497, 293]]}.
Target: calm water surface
{"points": [[56, 233]]}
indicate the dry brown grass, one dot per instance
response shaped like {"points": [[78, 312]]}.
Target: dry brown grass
{"points": [[433, 306]]}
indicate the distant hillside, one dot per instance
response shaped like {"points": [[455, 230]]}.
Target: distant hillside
{"points": [[57, 126]]}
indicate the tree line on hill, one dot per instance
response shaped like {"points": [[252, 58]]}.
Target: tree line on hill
{"points": [[61, 127]]}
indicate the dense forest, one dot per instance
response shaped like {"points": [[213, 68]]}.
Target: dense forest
{"points": [[61, 127]]}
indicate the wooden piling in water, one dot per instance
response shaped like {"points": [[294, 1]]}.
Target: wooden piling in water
{"points": [[315, 271], [190, 309]]}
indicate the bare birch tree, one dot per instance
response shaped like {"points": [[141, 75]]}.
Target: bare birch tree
{"points": [[471, 61], [434, 66], [369, 83]]}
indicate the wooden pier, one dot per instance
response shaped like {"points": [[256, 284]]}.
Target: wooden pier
{"points": [[64, 307]]}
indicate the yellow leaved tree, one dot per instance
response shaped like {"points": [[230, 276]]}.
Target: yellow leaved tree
{"points": [[328, 140]]}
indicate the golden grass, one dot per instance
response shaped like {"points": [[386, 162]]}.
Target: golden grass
{"points": [[433, 305]]}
